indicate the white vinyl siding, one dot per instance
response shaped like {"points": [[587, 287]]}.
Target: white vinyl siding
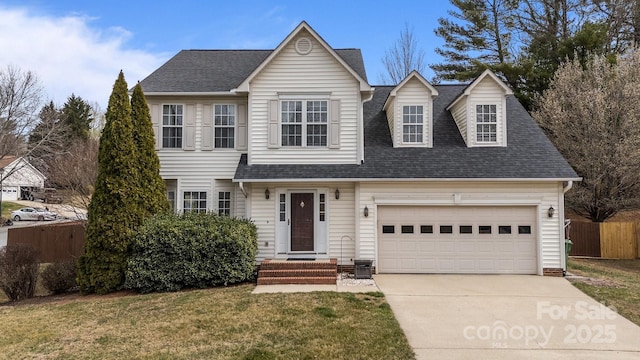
{"points": [[391, 117], [467, 194], [315, 74], [459, 113]]}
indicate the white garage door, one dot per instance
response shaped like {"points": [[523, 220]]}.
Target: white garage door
{"points": [[9, 193], [472, 240]]}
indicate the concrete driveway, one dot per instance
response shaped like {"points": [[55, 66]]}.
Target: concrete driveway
{"points": [[505, 317]]}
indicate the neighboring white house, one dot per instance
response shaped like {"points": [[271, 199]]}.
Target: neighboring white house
{"points": [[418, 178], [18, 174]]}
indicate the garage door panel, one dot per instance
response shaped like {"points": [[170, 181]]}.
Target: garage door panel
{"points": [[457, 240]]}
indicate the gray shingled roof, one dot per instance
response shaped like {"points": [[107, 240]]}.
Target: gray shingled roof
{"points": [[529, 153], [220, 70]]}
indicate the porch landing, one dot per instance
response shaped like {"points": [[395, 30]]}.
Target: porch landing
{"points": [[309, 272]]}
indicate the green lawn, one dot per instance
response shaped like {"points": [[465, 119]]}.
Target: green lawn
{"points": [[220, 323], [614, 282], [8, 207]]}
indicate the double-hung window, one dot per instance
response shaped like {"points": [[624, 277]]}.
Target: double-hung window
{"points": [[224, 203], [172, 126], [304, 122], [412, 123], [224, 123], [195, 201], [486, 123]]}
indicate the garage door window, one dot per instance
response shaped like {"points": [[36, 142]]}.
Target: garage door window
{"points": [[446, 229], [426, 229], [388, 229], [504, 229], [524, 229], [466, 229], [407, 229], [484, 229]]}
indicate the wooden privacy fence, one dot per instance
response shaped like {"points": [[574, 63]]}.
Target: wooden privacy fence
{"points": [[613, 240], [54, 242]]}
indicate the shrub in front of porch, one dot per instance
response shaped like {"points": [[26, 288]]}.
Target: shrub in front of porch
{"points": [[171, 252]]}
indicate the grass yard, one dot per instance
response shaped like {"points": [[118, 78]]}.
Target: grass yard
{"points": [[614, 282], [220, 323], [8, 207]]}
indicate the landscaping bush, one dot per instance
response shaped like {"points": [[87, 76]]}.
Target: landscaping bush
{"points": [[172, 251], [59, 277], [18, 271]]}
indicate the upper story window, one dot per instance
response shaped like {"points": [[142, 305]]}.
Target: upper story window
{"points": [[486, 123], [304, 122], [412, 124], [224, 123], [172, 126]]}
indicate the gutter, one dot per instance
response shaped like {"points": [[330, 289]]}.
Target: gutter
{"points": [[244, 191]]}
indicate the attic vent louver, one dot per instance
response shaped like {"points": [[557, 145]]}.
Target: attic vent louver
{"points": [[303, 46]]}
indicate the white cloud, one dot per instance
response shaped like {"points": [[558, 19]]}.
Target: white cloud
{"points": [[70, 56]]}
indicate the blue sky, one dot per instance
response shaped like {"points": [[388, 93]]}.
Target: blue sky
{"points": [[79, 46]]}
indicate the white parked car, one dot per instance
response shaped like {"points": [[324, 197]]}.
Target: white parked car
{"points": [[29, 213]]}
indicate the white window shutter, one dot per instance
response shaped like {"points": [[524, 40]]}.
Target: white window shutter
{"points": [[156, 120], [334, 125], [274, 125], [241, 121], [207, 127], [189, 140]]}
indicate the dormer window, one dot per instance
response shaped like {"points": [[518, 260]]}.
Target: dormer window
{"points": [[486, 123], [412, 124]]}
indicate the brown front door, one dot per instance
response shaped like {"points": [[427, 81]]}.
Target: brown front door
{"points": [[302, 228]]}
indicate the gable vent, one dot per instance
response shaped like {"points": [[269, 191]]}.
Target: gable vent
{"points": [[303, 46]]}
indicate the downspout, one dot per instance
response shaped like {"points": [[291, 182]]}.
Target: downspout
{"points": [[567, 187], [361, 124], [244, 192]]}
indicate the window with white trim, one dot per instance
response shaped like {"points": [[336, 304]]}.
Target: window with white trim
{"points": [[224, 123], [171, 197], [486, 123], [224, 203], [195, 201], [304, 122], [172, 126], [412, 123]]}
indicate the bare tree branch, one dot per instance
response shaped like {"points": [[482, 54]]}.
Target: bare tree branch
{"points": [[402, 58]]}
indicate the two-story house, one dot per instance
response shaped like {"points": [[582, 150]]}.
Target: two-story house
{"points": [[418, 178]]}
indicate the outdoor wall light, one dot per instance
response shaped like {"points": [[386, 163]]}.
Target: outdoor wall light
{"points": [[267, 193], [551, 211], [366, 211], [337, 194]]}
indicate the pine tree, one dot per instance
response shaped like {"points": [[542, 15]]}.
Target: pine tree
{"points": [[78, 117], [152, 188], [113, 210]]}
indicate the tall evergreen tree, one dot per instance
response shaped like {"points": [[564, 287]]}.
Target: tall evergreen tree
{"points": [[78, 116], [113, 210], [152, 197], [477, 37]]}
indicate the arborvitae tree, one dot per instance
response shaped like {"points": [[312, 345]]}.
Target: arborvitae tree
{"points": [[78, 116], [152, 197], [113, 210]]}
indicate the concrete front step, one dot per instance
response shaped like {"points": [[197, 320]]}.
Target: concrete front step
{"points": [[299, 273], [323, 280]]}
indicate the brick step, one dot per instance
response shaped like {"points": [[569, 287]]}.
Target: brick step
{"points": [[279, 265], [298, 273], [308, 280]]}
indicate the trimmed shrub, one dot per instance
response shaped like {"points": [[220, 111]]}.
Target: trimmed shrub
{"points": [[172, 251], [59, 277], [18, 271]]}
